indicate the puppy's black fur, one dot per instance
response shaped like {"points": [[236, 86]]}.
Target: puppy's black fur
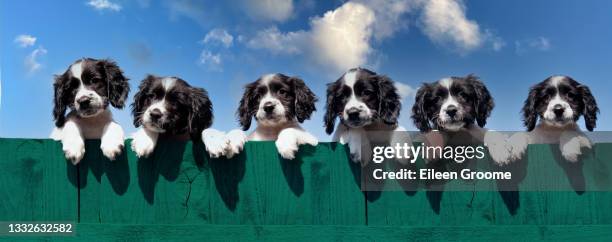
{"points": [[189, 108], [297, 99], [376, 91], [577, 95], [102, 76], [469, 92]]}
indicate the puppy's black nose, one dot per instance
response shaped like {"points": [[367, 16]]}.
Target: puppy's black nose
{"points": [[84, 101], [155, 114], [268, 107], [353, 114], [451, 111], [558, 110]]}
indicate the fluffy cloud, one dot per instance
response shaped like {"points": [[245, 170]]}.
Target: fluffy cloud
{"points": [[219, 36], [25, 40], [444, 22], [344, 37], [104, 5], [269, 10], [31, 61], [339, 39]]}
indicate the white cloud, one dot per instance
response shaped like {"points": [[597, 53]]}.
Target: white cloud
{"points": [[269, 10], [389, 15], [219, 36], [104, 5], [191, 9], [339, 39], [405, 91], [537, 44], [31, 61], [444, 22], [212, 61], [279, 43], [25, 40]]}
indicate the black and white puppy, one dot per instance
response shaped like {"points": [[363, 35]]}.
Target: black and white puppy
{"points": [[87, 88], [279, 104], [558, 102], [458, 104], [365, 102], [170, 107]]}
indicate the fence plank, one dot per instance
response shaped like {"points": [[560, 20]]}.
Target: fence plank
{"points": [[38, 184], [171, 186]]}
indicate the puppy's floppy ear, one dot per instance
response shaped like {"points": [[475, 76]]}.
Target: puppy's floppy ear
{"points": [[484, 101], [590, 107], [246, 109], [389, 103], [117, 83], [304, 99], [140, 99], [61, 88], [530, 115], [331, 111], [420, 117], [201, 113]]}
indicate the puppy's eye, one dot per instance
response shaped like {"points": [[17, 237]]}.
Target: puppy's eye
{"points": [[95, 80], [282, 92], [571, 95], [368, 93]]}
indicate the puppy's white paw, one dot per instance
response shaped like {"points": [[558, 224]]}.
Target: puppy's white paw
{"points": [[500, 154], [235, 142], [142, 145], [215, 142], [401, 137], [571, 152], [74, 149], [112, 148], [496, 142], [307, 138], [287, 144], [571, 143], [286, 149], [517, 144]]}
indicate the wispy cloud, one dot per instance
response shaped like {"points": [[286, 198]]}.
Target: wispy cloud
{"points": [[210, 60], [219, 36], [25, 40], [268, 10], [534, 44], [104, 5], [31, 61]]}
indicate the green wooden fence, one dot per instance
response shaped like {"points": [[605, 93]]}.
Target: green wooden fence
{"points": [[181, 194]]}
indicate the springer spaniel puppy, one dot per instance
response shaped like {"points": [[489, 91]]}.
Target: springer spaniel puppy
{"points": [[365, 102], [279, 104], [169, 107], [558, 101], [87, 88], [455, 106]]}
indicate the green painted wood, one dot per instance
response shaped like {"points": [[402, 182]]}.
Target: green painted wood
{"points": [[563, 201], [36, 182], [168, 187], [200, 232], [180, 188]]}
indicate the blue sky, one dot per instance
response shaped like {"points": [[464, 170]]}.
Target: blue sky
{"points": [[222, 45]]}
